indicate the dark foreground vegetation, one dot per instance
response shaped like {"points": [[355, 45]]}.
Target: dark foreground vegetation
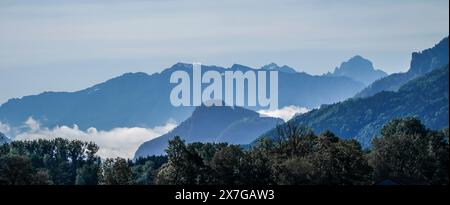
{"points": [[405, 149]]}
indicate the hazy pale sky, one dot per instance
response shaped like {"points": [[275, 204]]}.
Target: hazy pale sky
{"points": [[70, 45]]}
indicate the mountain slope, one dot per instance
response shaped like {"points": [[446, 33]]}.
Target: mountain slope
{"points": [[133, 99], [139, 99], [233, 125], [421, 63], [3, 139], [426, 98], [359, 69]]}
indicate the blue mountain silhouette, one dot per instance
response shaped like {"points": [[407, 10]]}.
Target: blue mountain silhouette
{"points": [[139, 99]]}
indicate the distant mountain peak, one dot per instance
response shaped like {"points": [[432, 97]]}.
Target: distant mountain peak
{"points": [[181, 65], [357, 63], [358, 57], [360, 69], [271, 66], [240, 67], [274, 66]]}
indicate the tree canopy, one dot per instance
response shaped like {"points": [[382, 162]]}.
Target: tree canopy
{"points": [[405, 148]]}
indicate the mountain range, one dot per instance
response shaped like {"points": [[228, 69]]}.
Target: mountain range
{"points": [[233, 125], [142, 100], [426, 98], [421, 63]]}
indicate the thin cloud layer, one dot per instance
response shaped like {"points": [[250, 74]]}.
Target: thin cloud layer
{"points": [[4, 128], [118, 142], [285, 113]]}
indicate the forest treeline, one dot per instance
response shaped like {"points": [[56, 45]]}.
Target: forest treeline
{"points": [[404, 149]]}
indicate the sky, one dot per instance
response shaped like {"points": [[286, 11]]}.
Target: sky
{"points": [[53, 45]]}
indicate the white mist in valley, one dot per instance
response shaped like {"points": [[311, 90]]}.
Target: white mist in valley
{"points": [[117, 142], [285, 113]]}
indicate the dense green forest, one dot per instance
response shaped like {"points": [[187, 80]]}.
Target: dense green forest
{"points": [[404, 149]]}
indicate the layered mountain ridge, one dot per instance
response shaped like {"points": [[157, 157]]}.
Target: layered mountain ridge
{"points": [[143, 100]]}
